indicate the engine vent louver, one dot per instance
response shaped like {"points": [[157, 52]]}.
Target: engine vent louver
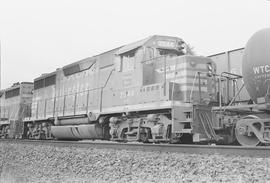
{"points": [[12, 93]]}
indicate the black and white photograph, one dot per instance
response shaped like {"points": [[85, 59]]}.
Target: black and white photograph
{"points": [[134, 91]]}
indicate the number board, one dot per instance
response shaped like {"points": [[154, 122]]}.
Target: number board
{"points": [[167, 44]]}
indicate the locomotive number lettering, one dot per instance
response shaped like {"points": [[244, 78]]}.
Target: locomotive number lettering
{"points": [[169, 44], [128, 93]]}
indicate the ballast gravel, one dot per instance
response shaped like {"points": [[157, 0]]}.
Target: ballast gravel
{"points": [[31, 163]]}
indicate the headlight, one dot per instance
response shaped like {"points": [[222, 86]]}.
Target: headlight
{"points": [[209, 67]]}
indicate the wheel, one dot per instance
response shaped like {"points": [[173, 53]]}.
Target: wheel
{"points": [[42, 136], [243, 138], [144, 137], [123, 135]]}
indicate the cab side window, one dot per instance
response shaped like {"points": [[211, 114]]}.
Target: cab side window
{"points": [[150, 53], [128, 61]]}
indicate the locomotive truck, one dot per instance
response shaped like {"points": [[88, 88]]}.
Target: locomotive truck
{"points": [[154, 90]]}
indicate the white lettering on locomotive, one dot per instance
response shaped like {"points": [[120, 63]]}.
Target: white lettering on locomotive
{"points": [[169, 44], [128, 93]]}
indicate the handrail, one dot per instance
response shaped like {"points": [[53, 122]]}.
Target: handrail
{"points": [[238, 92], [228, 77], [101, 92], [99, 89], [108, 78], [193, 84], [172, 94], [231, 74], [154, 58], [58, 97], [93, 89]]}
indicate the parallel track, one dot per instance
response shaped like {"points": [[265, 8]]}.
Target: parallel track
{"points": [[261, 151]]}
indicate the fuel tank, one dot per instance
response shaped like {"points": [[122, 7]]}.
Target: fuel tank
{"points": [[89, 131], [256, 66]]}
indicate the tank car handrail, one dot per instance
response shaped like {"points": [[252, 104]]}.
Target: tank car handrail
{"points": [[237, 94], [222, 75]]}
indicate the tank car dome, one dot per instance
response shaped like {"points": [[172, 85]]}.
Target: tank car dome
{"points": [[256, 65]]}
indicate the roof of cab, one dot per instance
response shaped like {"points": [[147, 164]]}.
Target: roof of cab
{"points": [[142, 42]]}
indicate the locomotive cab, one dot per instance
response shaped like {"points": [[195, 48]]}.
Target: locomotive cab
{"points": [[157, 77]]}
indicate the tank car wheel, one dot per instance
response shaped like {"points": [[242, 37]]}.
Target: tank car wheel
{"points": [[244, 139]]}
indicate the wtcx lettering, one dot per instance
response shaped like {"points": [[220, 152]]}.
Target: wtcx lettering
{"points": [[261, 69]]}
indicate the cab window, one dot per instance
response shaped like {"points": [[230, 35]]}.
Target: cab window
{"points": [[128, 61], [168, 52]]}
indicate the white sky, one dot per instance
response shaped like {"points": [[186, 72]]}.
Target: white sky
{"points": [[38, 36]]}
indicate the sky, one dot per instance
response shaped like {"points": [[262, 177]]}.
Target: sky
{"points": [[38, 36]]}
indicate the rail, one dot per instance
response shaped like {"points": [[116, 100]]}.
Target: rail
{"points": [[261, 151]]}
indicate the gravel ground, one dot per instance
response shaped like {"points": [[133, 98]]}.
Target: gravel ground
{"points": [[31, 163]]}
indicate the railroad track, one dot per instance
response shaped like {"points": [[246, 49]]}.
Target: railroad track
{"points": [[261, 151]]}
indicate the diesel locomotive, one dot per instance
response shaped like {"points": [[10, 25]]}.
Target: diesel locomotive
{"points": [[143, 91], [152, 90], [15, 105]]}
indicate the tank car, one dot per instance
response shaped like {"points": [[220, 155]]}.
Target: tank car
{"points": [[143, 91], [15, 106], [255, 129], [248, 123]]}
